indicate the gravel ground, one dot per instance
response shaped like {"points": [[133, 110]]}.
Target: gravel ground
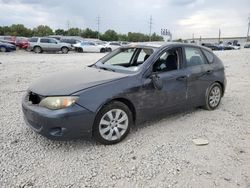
{"points": [[157, 154]]}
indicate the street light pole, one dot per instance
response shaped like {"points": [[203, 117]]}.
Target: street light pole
{"points": [[248, 28]]}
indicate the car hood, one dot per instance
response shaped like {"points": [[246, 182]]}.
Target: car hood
{"points": [[67, 83]]}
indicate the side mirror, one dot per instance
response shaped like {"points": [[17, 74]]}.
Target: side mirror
{"points": [[157, 82]]}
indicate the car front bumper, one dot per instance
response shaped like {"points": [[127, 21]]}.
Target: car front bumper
{"points": [[64, 124]]}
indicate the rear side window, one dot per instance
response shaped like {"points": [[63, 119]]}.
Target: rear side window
{"points": [[209, 56], [33, 39], [44, 40], [194, 56]]}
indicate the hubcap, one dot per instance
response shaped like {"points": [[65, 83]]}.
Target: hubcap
{"points": [[37, 50], [64, 50], [2, 49], [113, 124], [214, 96]]}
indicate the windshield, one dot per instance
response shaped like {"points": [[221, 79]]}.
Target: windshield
{"points": [[126, 60]]}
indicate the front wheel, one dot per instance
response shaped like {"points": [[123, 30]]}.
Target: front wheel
{"points": [[213, 96], [65, 50], [112, 123], [102, 50], [3, 49]]}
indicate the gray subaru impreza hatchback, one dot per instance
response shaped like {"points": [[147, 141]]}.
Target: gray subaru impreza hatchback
{"points": [[132, 84]]}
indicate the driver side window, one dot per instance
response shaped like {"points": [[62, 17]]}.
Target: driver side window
{"points": [[168, 61]]}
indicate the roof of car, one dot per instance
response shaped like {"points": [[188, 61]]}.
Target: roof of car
{"points": [[163, 45]]}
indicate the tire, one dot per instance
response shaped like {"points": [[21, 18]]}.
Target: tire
{"points": [[65, 50], [107, 129], [102, 50], [37, 49], [213, 96], [3, 49], [109, 50], [80, 50]]}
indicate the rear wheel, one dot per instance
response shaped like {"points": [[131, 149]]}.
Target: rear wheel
{"points": [[102, 50], [213, 96], [112, 123], [37, 49], [65, 50], [109, 50], [3, 49], [80, 50]]}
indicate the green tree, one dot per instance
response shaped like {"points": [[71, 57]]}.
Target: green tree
{"points": [[156, 37], [137, 37], [109, 35], [88, 33], [74, 32], [42, 30], [20, 30], [122, 37], [60, 32], [5, 30]]}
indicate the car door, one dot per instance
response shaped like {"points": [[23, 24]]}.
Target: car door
{"points": [[198, 78], [172, 95], [44, 43], [54, 45], [88, 47]]}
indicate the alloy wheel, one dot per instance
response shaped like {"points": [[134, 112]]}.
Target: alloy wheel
{"points": [[3, 49], [214, 96], [113, 124]]}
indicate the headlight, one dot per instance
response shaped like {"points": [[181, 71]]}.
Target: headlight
{"points": [[55, 103]]}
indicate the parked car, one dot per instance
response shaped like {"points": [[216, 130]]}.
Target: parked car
{"points": [[22, 42], [70, 40], [8, 39], [6, 47], [247, 45], [87, 46], [40, 44], [57, 37], [110, 46], [234, 45], [211, 46], [130, 85], [124, 43]]}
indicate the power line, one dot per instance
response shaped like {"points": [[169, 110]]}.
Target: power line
{"points": [[150, 27]]}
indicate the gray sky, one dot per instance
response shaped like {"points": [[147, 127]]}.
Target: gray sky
{"points": [[182, 17]]}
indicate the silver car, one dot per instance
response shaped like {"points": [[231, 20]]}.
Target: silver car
{"points": [[40, 44]]}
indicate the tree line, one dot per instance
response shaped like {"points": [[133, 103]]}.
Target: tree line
{"points": [[44, 30]]}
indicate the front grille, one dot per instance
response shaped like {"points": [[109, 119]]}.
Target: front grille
{"points": [[35, 98]]}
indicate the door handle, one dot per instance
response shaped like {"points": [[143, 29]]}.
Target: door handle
{"points": [[209, 71], [181, 78]]}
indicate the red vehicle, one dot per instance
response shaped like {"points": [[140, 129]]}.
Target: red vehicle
{"points": [[22, 42]]}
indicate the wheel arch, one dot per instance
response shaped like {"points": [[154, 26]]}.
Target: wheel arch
{"points": [[37, 46], [64, 47], [123, 100], [222, 87]]}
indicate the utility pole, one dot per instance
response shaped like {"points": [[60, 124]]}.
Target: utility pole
{"points": [[248, 27], [219, 36], [68, 24], [150, 27], [98, 27]]}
